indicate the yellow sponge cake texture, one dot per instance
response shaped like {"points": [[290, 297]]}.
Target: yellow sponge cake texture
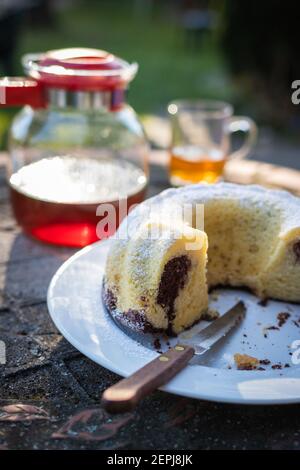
{"points": [[253, 238]]}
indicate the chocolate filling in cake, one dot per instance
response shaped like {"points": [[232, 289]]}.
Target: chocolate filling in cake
{"points": [[172, 280], [132, 319], [296, 249], [109, 298]]}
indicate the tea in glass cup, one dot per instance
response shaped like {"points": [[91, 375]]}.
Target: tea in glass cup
{"points": [[200, 145]]}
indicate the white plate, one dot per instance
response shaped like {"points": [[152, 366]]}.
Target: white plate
{"points": [[74, 301]]}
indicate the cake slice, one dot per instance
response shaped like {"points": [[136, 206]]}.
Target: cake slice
{"points": [[163, 282]]}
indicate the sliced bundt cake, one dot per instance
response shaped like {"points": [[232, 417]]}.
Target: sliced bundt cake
{"points": [[254, 241]]}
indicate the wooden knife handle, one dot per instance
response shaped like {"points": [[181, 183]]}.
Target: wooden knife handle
{"points": [[127, 393]]}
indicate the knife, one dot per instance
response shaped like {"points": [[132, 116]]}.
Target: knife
{"points": [[128, 392]]}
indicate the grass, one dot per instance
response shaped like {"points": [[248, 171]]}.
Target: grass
{"points": [[168, 69]]}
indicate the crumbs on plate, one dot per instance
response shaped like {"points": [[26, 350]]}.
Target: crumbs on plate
{"points": [[245, 362], [211, 314]]}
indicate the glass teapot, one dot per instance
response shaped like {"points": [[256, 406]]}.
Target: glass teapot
{"points": [[77, 149]]}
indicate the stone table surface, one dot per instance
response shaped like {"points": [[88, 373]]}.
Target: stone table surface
{"points": [[49, 392]]}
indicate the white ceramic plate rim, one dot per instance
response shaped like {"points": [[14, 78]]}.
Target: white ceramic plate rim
{"points": [[206, 383]]}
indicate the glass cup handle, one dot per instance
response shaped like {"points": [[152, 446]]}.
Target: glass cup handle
{"points": [[248, 126]]}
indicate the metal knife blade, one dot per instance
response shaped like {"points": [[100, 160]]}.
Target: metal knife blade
{"points": [[210, 335]]}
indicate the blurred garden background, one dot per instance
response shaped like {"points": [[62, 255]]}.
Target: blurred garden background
{"points": [[244, 52]]}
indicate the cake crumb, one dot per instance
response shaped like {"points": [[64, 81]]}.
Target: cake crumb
{"points": [[277, 366], [245, 362], [272, 327], [211, 314], [265, 362], [263, 302], [282, 318], [214, 296]]}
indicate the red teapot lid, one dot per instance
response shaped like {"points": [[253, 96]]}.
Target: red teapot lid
{"points": [[80, 69], [75, 69]]}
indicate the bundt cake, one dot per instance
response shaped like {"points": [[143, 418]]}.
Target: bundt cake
{"points": [[159, 283]]}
